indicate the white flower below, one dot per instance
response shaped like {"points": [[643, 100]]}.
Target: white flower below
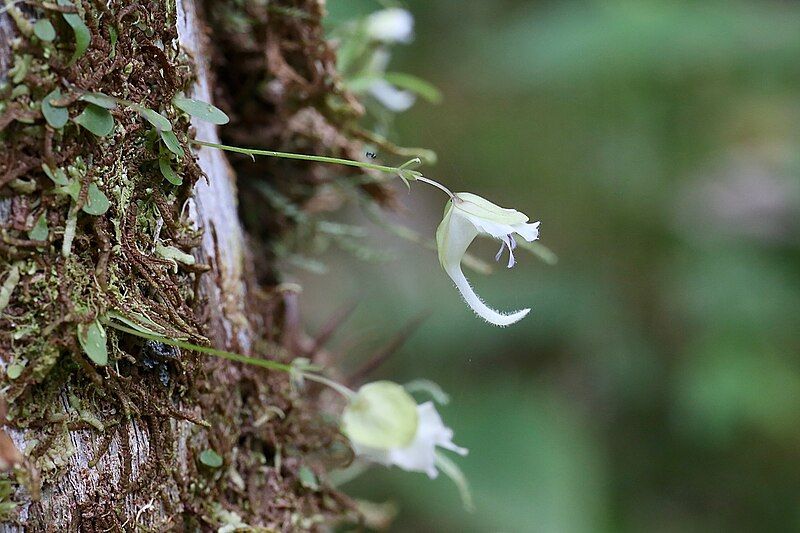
{"points": [[385, 426], [392, 25], [467, 216], [420, 455], [392, 98]]}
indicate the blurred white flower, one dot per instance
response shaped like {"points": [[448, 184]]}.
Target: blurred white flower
{"points": [[466, 216], [379, 60], [385, 426], [391, 97], [393, 25]]}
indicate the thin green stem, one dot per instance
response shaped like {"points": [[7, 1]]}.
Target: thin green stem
{"points": [[231, 356], [304, 157], [398, 171], [338, 387], [264, 363], [436, 184]]}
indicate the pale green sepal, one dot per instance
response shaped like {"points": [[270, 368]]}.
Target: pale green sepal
{"points": [[455, 474], [382, 415], [442, 234], [483, 208]]}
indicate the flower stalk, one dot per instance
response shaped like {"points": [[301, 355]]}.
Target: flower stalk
{"points": [[303, 157], [466, 216]]}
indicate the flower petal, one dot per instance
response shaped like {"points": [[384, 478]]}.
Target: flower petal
{"points": [[481, 309], [486, 210], [391, 25], [529, 232], [495, 229], [420, 455], [391, 97]]}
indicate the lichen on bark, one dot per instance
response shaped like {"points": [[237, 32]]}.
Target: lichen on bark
{"points": [[105, 446]]}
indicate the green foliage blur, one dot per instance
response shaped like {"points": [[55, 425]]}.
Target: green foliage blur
{"points": [[656, 384]]}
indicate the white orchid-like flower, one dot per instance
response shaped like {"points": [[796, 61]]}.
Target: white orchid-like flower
{"points": [[389, 96], [392, 98], [392, 25], [386, 426], [467, 216]]}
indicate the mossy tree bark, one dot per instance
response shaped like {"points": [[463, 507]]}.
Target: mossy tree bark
{"points": [[119, 447]]}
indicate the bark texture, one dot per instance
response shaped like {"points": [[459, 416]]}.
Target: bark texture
{"points": [[118, 449], [83, 497]]}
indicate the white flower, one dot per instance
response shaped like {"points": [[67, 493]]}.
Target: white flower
{"points": [[392, 98], [381, 415], [377, 422], [389, 96], [466, 216], [393, 25]]}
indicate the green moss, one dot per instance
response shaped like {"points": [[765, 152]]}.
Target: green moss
{"points": [[113, 267]]}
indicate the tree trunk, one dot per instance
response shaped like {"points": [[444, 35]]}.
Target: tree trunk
{"points": [[107, 447]]}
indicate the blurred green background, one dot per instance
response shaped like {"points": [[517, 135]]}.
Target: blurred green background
{"points": [[656, 384]]}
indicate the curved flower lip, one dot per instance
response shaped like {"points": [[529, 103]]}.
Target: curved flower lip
{"points": [[467, 216]]}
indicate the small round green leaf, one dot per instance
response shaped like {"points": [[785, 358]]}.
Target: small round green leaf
{"points": [[82, 34], [382, 415], [308, 478], [158, 120], [105, 101], [211, 458], [58, 175], [96, 201], [172, 143], [96, 119], [93, 340], [202, 110], [14, 370], [40, 230], [168, 173], [44, 30], [55, 116]]}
